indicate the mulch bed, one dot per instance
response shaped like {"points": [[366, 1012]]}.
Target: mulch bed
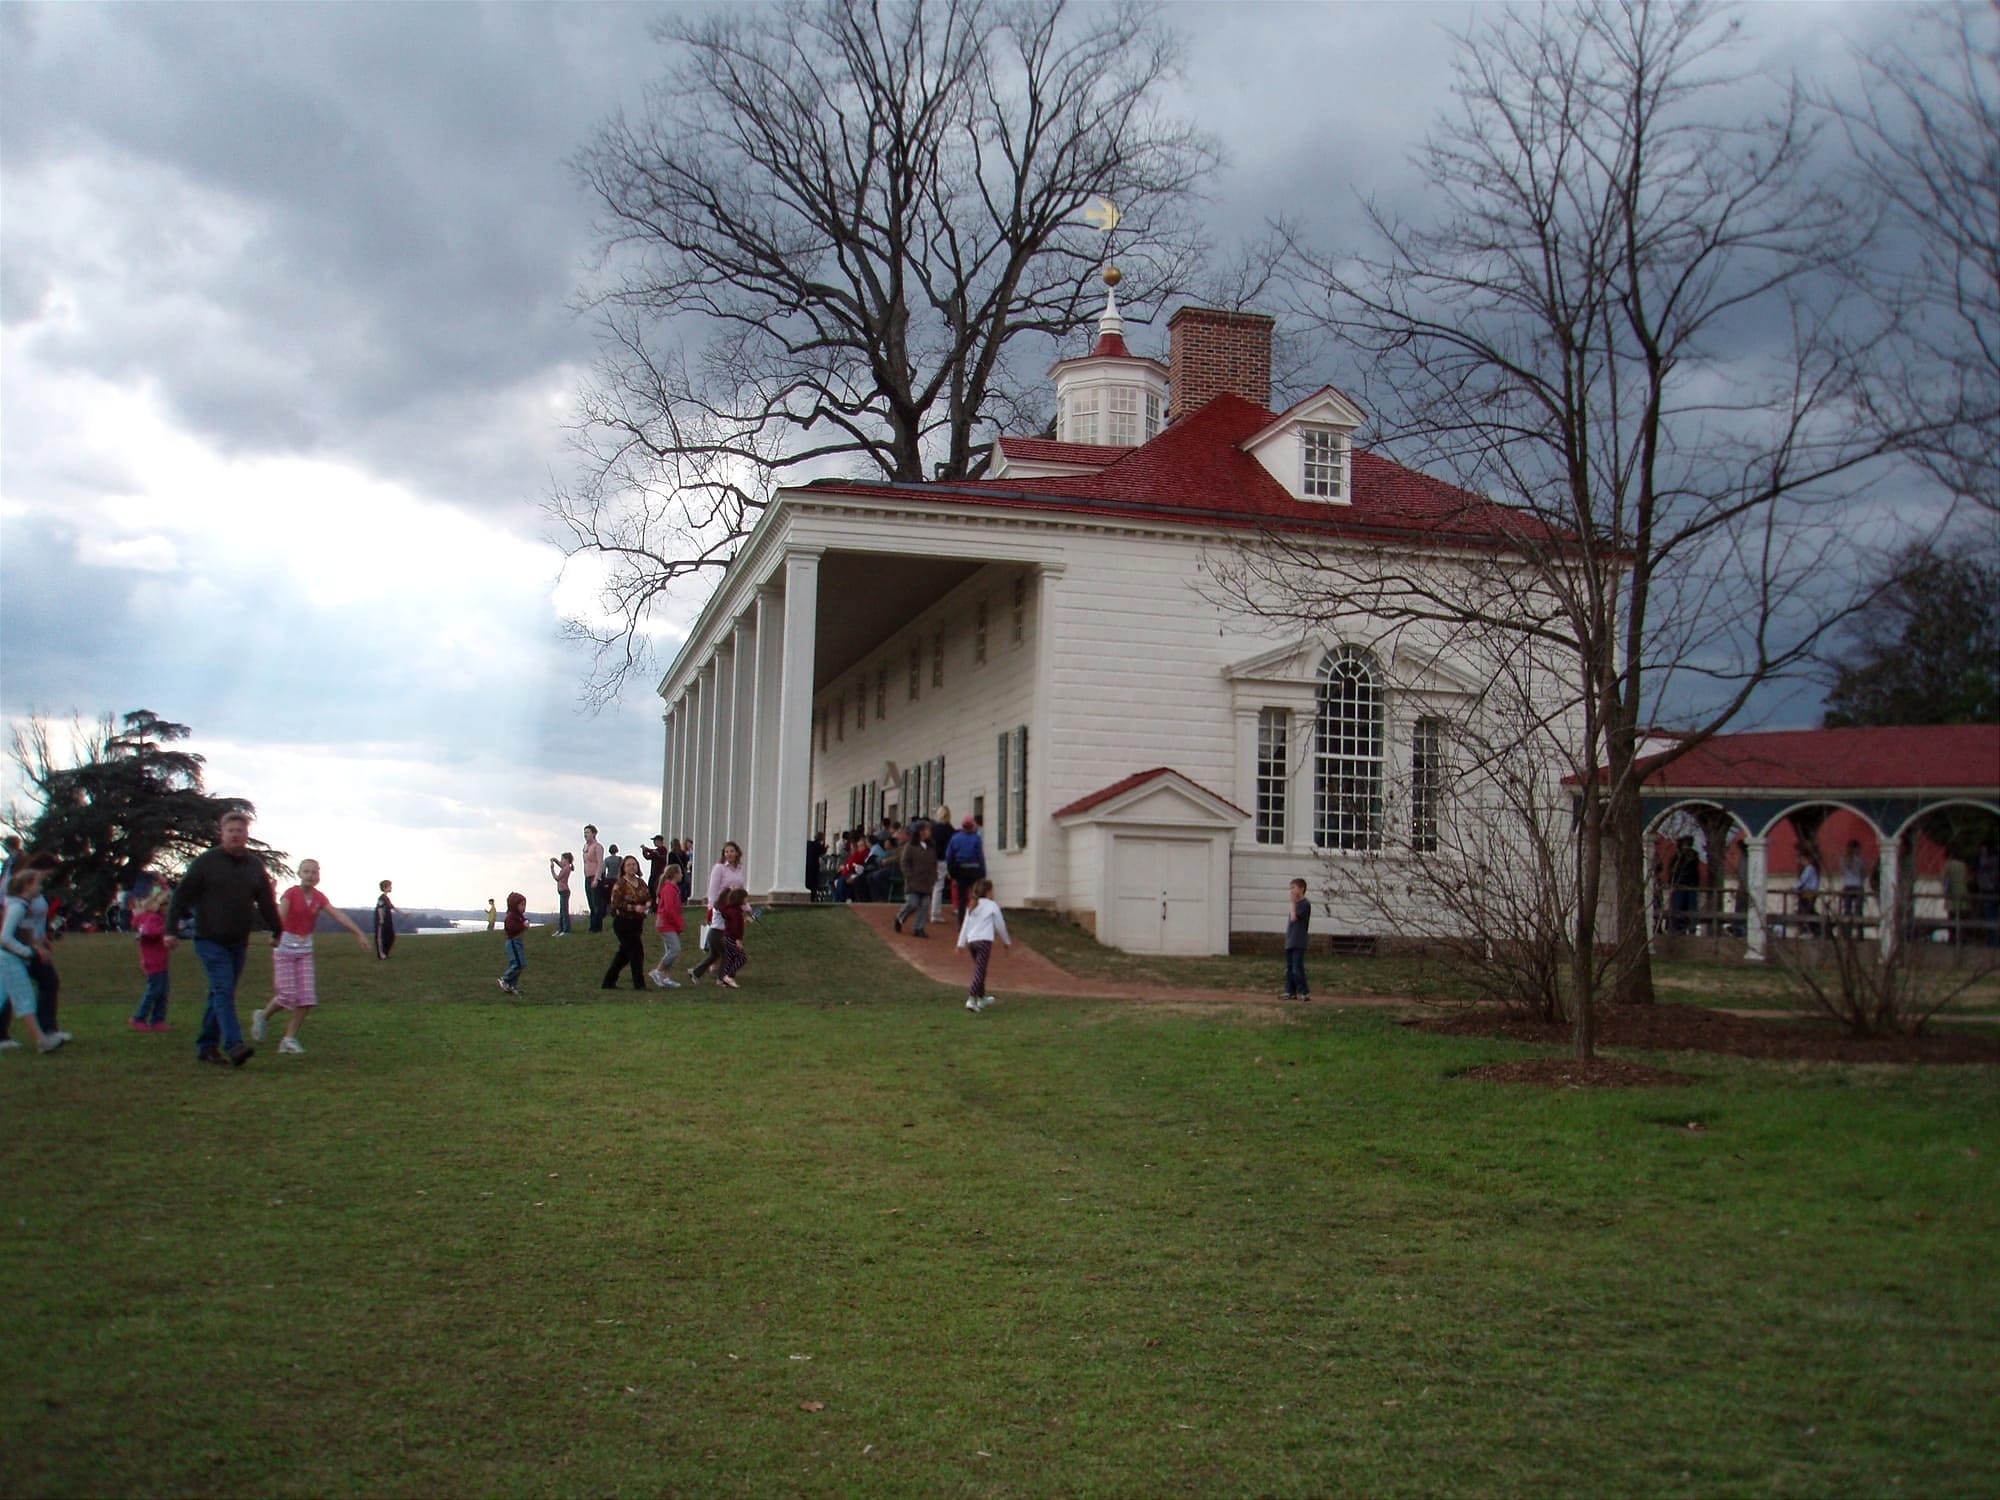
{"points": [[1689, 1028]]}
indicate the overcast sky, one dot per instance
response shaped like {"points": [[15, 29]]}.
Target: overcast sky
{"points": [[286, 350]]}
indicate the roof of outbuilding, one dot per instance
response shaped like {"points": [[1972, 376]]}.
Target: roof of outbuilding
{"points": [[1136, 779], [1893, 758]]}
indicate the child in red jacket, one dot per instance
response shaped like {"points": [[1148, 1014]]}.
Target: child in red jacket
{"points": [[670, 918]]}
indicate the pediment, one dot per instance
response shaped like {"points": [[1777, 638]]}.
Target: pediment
{"points": [[1298, 664]]}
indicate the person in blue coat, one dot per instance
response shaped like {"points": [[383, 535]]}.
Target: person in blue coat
{"points": [[965, 863]]}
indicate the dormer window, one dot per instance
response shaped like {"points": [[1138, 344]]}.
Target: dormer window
{"points": [[1152, 416], [1324, 454]]}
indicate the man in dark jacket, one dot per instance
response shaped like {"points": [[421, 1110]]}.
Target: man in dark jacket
{"points": [[228, 893]]}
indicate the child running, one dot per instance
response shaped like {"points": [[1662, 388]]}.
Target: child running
{"points": [[517, 951], [726, 934], [17, 990], [982, 924], [149, 920], [292, 960], [670, 918]]}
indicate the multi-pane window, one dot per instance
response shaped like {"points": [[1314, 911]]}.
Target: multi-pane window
{"points": [[1322, 463], [1082, 417], [1274, 736], [908, 804], [1152, 416], [1427, 783], [854, 807], [882, 691], [1020, 627], [916, 667], [979, 635], [937, 660], [1122, 420], [927, 793], [1347, 754], [1011, 805]]}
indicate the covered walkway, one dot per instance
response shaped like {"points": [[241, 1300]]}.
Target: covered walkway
{"points": [[1902, 784]]}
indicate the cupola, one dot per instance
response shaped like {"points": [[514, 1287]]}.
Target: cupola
{"points": [[1110, 397]]}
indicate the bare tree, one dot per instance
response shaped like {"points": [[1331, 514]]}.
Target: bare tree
{"points": [[824, 241], [1480, 866], [1927, 144], [1623, 323]]}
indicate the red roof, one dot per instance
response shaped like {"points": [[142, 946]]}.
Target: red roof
{"points": [[1195, 471], [1111, 345], [1897, 758], [1137, 778], [1048, 450]]}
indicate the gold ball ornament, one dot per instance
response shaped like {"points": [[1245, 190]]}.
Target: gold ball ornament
{"points": [[1112, 276]]}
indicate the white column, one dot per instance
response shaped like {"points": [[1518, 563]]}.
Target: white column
{"points": [[1044, 857], [1756, 861], [763, 854], [704, 771], [669, 741], [794, 780], [1889, 926], [742, 732], [689, 715], [725, 747]]}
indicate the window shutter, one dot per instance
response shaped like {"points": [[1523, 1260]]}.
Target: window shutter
{"points": [[1000, 785]]}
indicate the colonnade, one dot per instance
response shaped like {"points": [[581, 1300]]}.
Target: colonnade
{"points": [[739, 736]]}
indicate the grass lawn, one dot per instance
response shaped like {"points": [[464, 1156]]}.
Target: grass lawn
{"points": [[837, 1236]]}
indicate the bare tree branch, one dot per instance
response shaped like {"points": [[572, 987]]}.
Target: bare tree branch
{"points": [[822, 242]]}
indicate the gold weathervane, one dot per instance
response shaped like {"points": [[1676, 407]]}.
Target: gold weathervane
{"points": [[1104, 214]]}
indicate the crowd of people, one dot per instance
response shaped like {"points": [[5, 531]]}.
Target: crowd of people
{"points": [[226, 896]]}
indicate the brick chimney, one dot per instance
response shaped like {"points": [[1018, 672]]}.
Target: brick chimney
{"points": [[1210, 351]]}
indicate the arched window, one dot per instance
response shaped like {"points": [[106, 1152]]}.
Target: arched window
{"points": [[1347, 753]]}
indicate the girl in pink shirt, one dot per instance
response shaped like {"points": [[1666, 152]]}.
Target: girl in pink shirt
{"points": [[292, 960], [149, 920]]}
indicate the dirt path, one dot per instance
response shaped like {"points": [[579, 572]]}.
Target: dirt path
{"points": [[1020, 970]]}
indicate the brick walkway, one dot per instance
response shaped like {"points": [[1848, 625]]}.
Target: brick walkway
{"points": [[1020, 970]]}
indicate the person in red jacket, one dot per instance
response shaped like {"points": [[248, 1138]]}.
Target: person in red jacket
{"points": [[670, 918], [515, 924]]}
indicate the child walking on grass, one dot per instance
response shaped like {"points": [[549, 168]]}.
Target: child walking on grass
{"points": [[730, 913], [17, 990], [982, 924], [149, 920], [517, 951], [670, 918], [292, 972]]}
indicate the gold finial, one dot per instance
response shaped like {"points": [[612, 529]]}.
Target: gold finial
{"points": [[1112, 276]]}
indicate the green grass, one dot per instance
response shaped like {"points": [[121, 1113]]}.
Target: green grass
{"points": [[584, 1243]]}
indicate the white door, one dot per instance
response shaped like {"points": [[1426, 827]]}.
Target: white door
{"points": [[1160, 894]]}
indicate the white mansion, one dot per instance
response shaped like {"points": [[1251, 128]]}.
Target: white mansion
{"points": [[1036, 646]]}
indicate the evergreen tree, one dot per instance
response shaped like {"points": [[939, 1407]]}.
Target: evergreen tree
{"points": [[1926, 649], [125, 801]]}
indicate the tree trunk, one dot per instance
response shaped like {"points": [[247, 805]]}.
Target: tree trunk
{"points": [[1632, 961]]}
